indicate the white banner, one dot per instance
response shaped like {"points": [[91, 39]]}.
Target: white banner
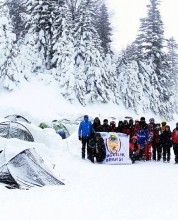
{"points": [[117, 148]]}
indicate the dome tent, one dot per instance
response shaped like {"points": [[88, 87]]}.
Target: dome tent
{"points": [[15, 130], [60, 129], [58, 126], [18, 118], [21, 167]]}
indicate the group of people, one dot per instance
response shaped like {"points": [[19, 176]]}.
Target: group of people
{"points": [[148, 141]]}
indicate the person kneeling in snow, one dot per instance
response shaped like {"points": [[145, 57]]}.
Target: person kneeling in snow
{"points": [[97, 148], [134, 149]]}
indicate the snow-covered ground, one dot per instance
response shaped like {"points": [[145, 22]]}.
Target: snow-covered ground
{"points": [[143, 191]]}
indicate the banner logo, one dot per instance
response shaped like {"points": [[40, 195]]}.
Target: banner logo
{"points": [[113, 144]]}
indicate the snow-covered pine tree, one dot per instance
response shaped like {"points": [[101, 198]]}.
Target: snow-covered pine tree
{"points": [[8, 51], [89, 55], [63, 58], [150, 43], [103, 27], [172, 56], [130, 88], [40, 24], [17, 11], [30, 59], [151, 32], [133, 80]]}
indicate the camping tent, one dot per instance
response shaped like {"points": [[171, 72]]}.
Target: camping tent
{"points": [[21, 167], [18, 118], [60, 129], [15, 130]]}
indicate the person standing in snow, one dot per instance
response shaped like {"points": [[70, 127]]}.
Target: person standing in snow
{"points": [[157, 149], [126, 127], [152, 121], [136, 127], [148, 144], [142, 135], [120, 127], [166, 144], [113, 126], [163, 125], [97, 148], [96, 125], [105, 127], [175, 142], [84, 133], [143, 123]]}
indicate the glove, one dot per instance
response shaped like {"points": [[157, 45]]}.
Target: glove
{"points": [[79, 138]]}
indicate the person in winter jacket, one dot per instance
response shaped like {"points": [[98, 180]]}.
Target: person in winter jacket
{"points": [[143, 123], [152, 121], [120, 127], [84, 133], [175, 142], [113, 126], [166, 143], [96, 125], [163, 125], [97, 148], [148, 144], [136, 127], [157, 148], [134, 149], [105, 127], [126, 129], [131, 127], [142, 135]]}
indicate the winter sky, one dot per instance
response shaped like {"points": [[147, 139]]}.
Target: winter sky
{"points": [[126, 14]]}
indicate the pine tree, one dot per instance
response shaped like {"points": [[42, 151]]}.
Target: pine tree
{"points": [[63, 58], [104, 29], [151, 33], [150, 44], [8, 67], [40, 24], [89, 54], [17, 11], [172, 55]]}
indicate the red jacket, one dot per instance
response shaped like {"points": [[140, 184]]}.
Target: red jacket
{"points": [[135, 129], [175, 136], [134, 147], [156, 137], [126, 130]]}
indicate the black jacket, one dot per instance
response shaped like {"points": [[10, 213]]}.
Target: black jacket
{"points": [[165, 138], [105, 128], [97, 146]]}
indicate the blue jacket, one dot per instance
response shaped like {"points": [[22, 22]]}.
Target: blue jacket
{"points": [[85, 129], [142, 137]]}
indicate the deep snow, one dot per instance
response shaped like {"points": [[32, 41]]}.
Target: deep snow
{"points": [[143, 191]]}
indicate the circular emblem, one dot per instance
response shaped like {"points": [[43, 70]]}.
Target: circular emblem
{"points": [[113, 144]]}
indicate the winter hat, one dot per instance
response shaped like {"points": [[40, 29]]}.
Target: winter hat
{"points": [[163, 122], [177, 124], [105, 121], [152, 120], [86, 117], [142, 119], [135, 137]]}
